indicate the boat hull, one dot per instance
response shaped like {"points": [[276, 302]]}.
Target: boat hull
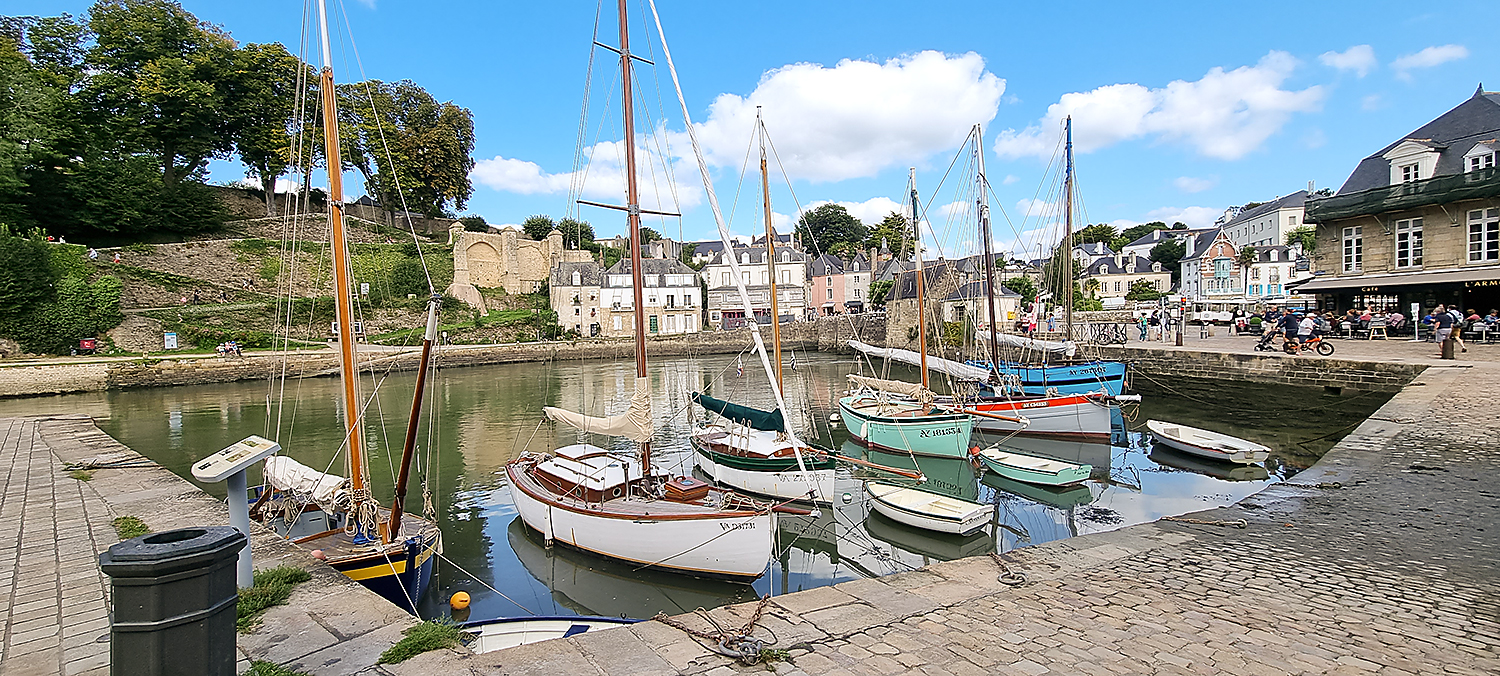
{"points": [[1081, 378], [940, 436], [715, 545], [1064, 477], [395, 580], [775, 477], [1251, 454], [510, 632], [1073, 416], [958, 524]]}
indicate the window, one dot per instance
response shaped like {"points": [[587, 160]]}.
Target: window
{"points": [[1481, 162], [785, 257], [856, 294], [1255, 272], [1255, 289], [1409, 172], [745, 258], [1354, 248], [671, 300], [726, 280], [689, 323], [830, 294], [1292, 221], [1222, 267], [1117, 286], [617, 323], [1409, 243], [654, 324], [745, 277], [786, 276], [577, 278], [1484, 235]]}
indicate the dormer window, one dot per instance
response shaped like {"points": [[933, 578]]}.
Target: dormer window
{"points": [[577, 278], [1410, 172], [1481, 156]]}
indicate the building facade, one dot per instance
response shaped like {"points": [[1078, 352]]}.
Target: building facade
{"points": [[839, 286], [1115, 274], [1267, 224], [505, 260], [1417, 223], [725, 307], [597, 302]]}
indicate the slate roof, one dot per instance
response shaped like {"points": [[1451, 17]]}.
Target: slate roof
{"points": [[562, 274], [758, 255], [707, 247], [652, 266], [1094, 248], [906, 284], [1108, 266], [1457, 131], [825, 265], [1199, 243], [1291, 201]]}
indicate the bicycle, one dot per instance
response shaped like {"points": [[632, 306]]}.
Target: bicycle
{"points": [[1314, 344]]}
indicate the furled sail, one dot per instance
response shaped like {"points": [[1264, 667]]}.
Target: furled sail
{"points": [[913, 390], [634, 424], [286, 474], [769, 421], [948, 366], [1066, 348]]}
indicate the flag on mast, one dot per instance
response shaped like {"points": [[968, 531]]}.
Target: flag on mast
{"points": [[739, 369]]}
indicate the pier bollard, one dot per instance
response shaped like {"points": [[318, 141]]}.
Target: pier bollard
{"points": [[174, 602]]}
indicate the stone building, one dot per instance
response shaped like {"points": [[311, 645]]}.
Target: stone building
{"points": [[1114, 274], [1418, 222], [505, 260], [727, 311], [839, 286], [597, 302]]}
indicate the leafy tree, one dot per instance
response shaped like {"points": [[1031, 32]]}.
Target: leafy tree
{"points": [[1023, 286], [397, 135], [688, 250], [879, 290], [1169, 253], [649, 235], [1245, 257], [46, 303], [1143, 289], [474, 223], [1099, 232], [1179, 225], [1305, 235], [1086, 302], [1136, 232], [538, 226], [893, 232], [264, 99], [828, 225], [575, 232]]}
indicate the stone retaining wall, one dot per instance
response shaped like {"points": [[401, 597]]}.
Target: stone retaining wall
{"points": [[1272, 369]]}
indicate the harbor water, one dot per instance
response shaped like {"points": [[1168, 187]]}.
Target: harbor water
{"points": [[479, 418]]}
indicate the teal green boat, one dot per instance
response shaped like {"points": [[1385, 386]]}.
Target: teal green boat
{"points": [[1031, 469], [904, 426]]}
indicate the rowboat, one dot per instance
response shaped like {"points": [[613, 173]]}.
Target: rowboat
{"points": [[1031, 469], [509, 632], [931, 511], [1204, 443]]}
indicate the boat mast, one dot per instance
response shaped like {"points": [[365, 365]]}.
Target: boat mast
{"points": [[765, 188], [398, 503], [343, 306], [633, 216], [983, 209], [1068, 224], [916, 230]]}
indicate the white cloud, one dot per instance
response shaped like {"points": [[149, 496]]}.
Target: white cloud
{"points": [[603, 179], [1225, 114], [1371, 102], [1427, 58], [1009, 179], [869, 212], [1030, 208], [858, 117], [1359, 58], [1192, 184], [1194, 217]]}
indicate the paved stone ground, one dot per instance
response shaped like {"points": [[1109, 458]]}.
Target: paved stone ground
{"points": [[1396, 349], [1381, 559], [53, 527]]}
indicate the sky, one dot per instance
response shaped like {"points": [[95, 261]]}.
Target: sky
{"points": [[1180, 109]]}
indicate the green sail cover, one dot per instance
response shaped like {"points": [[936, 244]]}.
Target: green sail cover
{"points": [[753, 417]]}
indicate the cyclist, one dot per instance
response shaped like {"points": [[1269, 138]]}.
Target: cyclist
{"points": [[1288, 327], [1306, 328]]}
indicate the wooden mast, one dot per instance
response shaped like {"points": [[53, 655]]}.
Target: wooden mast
{"points": [[765, 189], [633, 216], [1068, 225], [342, 292], [398, 503], [916, 230], [983, 211]]}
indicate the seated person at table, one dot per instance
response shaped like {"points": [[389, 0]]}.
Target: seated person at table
{"points": [[1492, 318]]}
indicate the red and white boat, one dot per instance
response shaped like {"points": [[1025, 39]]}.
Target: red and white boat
{"points": [[1067, 416]]}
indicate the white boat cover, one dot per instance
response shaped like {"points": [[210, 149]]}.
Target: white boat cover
{"points": [[948, 366], [1066, 348], [286, 474], [634, 424], [912, 390]]}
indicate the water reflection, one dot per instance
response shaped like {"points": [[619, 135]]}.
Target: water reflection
{"points": [[485, 416]]}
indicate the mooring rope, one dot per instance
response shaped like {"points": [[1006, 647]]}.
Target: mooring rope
{"points": [[740, 645], [1237, 523]]}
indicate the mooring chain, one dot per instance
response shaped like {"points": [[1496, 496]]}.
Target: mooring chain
{"points": [[740, 646], [1237, 523], [1011, 578]]}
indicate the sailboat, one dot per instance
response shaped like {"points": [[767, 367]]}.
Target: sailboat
{"points": [[901, 416], [1065, 373], [620, 506], [751, 449], [384, 549]]}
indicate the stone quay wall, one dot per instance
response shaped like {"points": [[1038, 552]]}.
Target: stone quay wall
{"points": [[1270, 368]]}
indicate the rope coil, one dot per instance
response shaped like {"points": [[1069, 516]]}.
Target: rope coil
{"points": [[1008, 577]]}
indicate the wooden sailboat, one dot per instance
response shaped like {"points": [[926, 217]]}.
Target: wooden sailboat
{"points": [[621, 507], [751, 450], [902, 416], [382, 548]]}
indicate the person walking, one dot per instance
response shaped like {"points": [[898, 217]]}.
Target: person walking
{"points": [[1442, 323], [93, 254], [1155, 324], [1143, 325], [1460, 323]]}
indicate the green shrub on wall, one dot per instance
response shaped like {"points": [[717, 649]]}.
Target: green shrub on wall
{"points": [[49, 307]]}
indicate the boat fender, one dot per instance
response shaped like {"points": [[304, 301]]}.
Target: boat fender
{"points": [[459, 601]]}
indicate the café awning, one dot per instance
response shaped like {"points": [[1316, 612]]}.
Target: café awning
{"points": [[1373, 283]]}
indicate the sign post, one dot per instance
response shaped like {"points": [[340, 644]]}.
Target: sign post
{"points": [[231, 464], [1181, 318]]}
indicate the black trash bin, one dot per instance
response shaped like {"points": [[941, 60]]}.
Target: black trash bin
{"points": [[174, 602]]}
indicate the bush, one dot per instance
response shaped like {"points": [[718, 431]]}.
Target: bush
{"points": [[210, 337]]}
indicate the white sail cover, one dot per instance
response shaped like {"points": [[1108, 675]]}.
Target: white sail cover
{"points": [[948, 366], [912, 390], [634, 424], [1066, 348], [286, 474]]}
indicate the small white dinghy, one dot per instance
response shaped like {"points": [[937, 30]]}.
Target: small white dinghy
{"points": [[510, 632], [1204, 443], [1031, 469], [921, 509]]}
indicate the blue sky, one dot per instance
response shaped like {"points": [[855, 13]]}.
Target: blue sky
{"points": [[1181, 109]]}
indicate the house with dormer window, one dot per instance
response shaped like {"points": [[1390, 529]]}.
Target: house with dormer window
{"points": [[1417, 223]]}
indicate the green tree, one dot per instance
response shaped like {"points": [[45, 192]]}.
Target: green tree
{"points": [[1245, 257], [1023, 286], [1179, 225], [575, 232], [649, 235], [397, 135], [46, 302], [688, 250], [1084, 299], [1099, 232], [1143, 290], [1169, 253], [538, 226], [1305, 235], [892, 232], [828, 225], [264, 100], [879, 290], [475, 223]]}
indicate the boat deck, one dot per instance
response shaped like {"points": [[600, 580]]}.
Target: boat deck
{"points": [[338, 545], [633, 506]]}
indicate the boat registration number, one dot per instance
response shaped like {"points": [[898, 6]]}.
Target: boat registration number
{"points": [[944, 432]]}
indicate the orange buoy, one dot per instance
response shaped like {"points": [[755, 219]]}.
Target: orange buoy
{"points": [[973, 450], [459, 601]]}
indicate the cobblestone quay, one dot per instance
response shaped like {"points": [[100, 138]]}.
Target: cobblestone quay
{"points": [[1381, 559]]}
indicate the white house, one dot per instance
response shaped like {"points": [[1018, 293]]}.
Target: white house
{"points": [[1267, 224], [725, 309]]}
